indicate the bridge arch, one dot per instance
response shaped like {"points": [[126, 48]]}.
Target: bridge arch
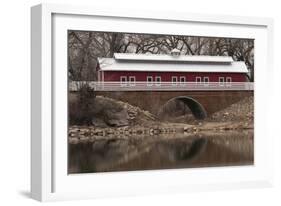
{"points": [[197, 110]]}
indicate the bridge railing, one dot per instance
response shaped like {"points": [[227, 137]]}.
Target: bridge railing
{"points": [[163, 86]]}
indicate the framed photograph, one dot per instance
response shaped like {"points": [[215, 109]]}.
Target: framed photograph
{"points": [[135, 102]]}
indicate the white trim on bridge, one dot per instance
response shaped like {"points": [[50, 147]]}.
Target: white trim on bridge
{"points": [[111, 64], [172, 58], [164, 86]]}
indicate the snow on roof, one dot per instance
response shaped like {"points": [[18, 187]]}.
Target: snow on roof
{"points": [[111, 64], [173, 58]]}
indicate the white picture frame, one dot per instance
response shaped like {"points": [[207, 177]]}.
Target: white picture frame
{"points": [[49, 179]]}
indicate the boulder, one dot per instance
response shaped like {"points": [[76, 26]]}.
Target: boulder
{"points": [[116, 118], [98, 122]]}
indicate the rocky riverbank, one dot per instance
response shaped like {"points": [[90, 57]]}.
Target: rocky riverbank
{"points": [[242, 111], [123, 120], [80, 134]]}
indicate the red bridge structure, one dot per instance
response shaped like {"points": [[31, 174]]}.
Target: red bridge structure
{"points": [[172, 72]]}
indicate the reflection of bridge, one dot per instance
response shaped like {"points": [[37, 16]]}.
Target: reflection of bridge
{"points": [[201, 98]]}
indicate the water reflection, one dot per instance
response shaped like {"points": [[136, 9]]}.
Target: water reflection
{"points": [[160, 152]]}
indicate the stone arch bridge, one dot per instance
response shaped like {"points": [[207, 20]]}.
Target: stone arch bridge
{"points": [[201, 103], [202, 99]]}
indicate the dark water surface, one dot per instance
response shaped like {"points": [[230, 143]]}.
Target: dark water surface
{"points": [[176, 151]]}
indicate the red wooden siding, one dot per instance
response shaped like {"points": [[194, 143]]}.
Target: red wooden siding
{"points": [[167, 76]]}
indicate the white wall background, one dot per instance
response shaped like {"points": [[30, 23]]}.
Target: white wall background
{"points": [[15, 101]]}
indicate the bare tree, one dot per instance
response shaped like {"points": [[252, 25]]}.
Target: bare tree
{"points": [[86, 47]]}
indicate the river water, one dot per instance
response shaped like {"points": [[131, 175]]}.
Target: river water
{"points": [[162, 152]]}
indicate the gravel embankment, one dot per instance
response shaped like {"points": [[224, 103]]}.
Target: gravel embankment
{"points": [[240, 111]]}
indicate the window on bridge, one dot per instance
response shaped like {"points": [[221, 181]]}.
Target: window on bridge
{"points": [[174, 80], [221, 81], [206, 81], [123, 81], [158, 81], [132, 81], [228, 81], [149, 81], [198, 79], [182, 80]]}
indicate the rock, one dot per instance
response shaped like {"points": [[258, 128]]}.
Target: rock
{"points": [[99, 132], [98, 122], [156, 131], [109, 131], [116, 118], [72, 134]]}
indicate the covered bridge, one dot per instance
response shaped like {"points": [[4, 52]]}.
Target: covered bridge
{"points": [[156, 69]]}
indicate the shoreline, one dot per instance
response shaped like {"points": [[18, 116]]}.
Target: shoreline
{"points": [[84, 134]]}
